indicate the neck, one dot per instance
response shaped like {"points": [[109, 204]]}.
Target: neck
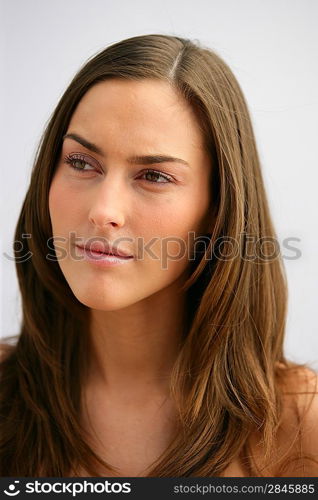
{"points": [[133, 350]]}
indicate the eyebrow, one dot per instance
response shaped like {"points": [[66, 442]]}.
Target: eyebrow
{"points": [[136, 159]]}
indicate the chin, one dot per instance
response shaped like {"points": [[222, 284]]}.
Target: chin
{"points": [[102, 303], [104, 300]]}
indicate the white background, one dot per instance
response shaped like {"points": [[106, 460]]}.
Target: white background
{"points": [[272, 48]]}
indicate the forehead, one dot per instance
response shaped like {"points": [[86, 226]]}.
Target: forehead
{"points": [[122, 114]]}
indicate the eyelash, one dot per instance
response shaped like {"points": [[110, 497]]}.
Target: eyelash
{"points": [[71, 159]]}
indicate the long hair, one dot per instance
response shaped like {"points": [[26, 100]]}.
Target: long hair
{"points": [[225, 381]]}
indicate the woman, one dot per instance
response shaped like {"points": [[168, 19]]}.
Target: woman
{"points": [[166, 357]]}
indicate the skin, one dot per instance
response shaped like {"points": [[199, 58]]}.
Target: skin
{"points": [[136, 309]]}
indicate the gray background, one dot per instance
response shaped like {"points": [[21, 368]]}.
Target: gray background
{"points": [[271, 46]]}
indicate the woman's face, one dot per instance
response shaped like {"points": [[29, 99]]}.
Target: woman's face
{"points": [[112, 199]]}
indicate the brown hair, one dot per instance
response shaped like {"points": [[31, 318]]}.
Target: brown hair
{"points": [[226, 378]]}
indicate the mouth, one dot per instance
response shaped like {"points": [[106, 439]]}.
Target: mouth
{"points": [[100, 254]]}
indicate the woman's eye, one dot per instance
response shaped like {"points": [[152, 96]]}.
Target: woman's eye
{"points": [[154, 174], [79, 162]]}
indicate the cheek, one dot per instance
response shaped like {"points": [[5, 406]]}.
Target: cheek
{"points": [[56, 201], [177, 216], [62, 205], [172, 227]]}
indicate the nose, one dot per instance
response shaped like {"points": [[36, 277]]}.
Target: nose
{"points": [[108, 204]]}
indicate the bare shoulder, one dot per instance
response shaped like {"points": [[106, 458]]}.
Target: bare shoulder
{"points": [[304, 389], [299, 430], [300, 389], [295, 453]]}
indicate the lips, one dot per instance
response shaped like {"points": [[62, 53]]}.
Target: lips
{"points": [[101, 247]]}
